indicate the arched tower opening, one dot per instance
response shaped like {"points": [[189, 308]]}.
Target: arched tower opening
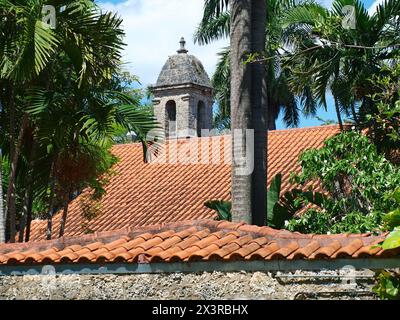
{"points": [[170, 119], [201, 117]]}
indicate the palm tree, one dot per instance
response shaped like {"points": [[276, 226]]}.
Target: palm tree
{"points": [[281, 97], [75, 63], [338, 59], [248, 110], [2, 217], [27, 46]]}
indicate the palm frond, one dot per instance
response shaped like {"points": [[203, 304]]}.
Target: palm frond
{"points": [[213, 29]]}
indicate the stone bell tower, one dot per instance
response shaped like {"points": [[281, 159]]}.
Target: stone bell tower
{"points": [[183, 96]]}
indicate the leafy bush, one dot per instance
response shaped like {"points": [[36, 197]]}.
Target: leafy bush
{"points": [[357, 180], [388, 285], [392, 221], [383, 121], [314, 221], [388, 282]]}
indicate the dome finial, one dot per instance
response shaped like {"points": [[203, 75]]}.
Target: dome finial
{"points": [[182, 49]]}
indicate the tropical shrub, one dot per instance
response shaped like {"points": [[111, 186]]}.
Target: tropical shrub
{"points": [[388, 282], [383, 119], [357, 180], [388, 285]]}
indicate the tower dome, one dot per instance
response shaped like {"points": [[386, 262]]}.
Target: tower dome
{"points": [[183, 68], [183, 96]]}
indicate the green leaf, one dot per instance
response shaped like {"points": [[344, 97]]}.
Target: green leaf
{"points": [[392, 241], [223, 208], [391, 289], [272, 199], [396, 196], [392, 219]]}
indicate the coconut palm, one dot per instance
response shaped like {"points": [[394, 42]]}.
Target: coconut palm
{"points": [[248, 110], [281, 97], [339, 59]]}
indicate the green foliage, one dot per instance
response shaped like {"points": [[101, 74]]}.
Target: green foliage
{"points": [[69, 84], [388, 285], [296, 199], [392, 220], [281, 97], [321, 222], [328, 56], [276, 214], [357, 180], [393, 240], [277, 211], [223, 209], [383, 120], [273, 218]]}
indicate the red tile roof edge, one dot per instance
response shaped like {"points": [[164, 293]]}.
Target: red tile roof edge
{"points": [[240, 229]]}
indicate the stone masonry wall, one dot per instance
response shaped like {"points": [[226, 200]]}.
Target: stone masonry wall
{"points": [[186, 100], [202, 285]]}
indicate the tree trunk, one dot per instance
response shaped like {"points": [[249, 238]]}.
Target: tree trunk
{"points": [[240, 106], [271, 122], [2, 216], [26, 210], [29, 218], [339, 116], [259, 114], [64, 215], [51, 203], [248, 112], [28, 192], [11, 205], [354, 113]]}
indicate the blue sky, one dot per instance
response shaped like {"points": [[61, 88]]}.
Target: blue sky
{"points": [[154, 27]]}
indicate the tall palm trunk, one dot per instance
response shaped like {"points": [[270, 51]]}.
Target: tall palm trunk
{"points": [[64, 215], [240, 105], [29, 217], [354, 114], [338, 114], [11, 196], [51, 202], [271, 123], [28, 192], [2, 216], [259, 115], [27, 211], [248, 110]]}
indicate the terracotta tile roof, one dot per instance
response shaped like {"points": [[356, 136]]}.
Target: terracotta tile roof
{"points": [[143, 194], [196, 240]]}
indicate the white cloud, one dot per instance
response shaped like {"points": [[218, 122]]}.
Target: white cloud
{"points": [[325, 3], [153, 29], [374, 6]]}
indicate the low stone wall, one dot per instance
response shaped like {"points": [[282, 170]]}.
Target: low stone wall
{"points": [[202, 285]]}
